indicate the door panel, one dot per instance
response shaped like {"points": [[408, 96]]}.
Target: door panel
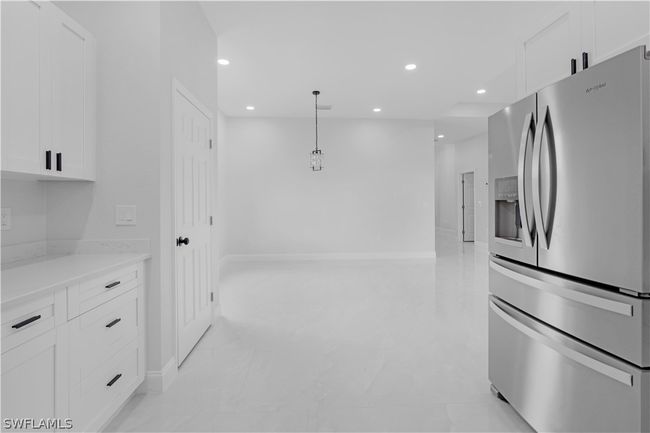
{"points": [[23, 57], [468, 207], [591, 173], [70, 88], [505, 230], [544, 53], [192, 201]]}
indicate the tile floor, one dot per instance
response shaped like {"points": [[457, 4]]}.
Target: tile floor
{"points": [[339, 346]]}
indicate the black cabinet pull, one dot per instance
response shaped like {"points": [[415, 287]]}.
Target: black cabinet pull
{"points": [[585, 60], [113, 284], [182, 241], [26, 322], [59, 159], [48, 160], [115, 379], [574, 66], [113, 322]]}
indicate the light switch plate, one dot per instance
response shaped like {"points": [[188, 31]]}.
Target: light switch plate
{"points": [[125, 215], [6, 218]]}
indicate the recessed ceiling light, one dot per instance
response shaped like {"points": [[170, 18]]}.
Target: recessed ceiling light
{"points": [[376, 110], [480, 91], [441, 136], [223, 62], [250, 107], [410, 67]]}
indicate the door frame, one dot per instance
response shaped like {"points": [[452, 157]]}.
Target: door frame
{"points": [[459, 204], [177, 87]]}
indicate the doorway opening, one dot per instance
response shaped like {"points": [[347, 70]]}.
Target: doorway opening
{"points": [[467, 206]]}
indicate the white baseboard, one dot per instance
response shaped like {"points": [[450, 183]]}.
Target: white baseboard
{"points": [[481, 246], [159, 381], [417, 255]]}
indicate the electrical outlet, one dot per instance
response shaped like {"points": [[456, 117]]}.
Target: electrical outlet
{"points": [[125, 215], [6, 218]]}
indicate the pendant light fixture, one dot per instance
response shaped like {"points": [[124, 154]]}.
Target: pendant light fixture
{"points": [[316, 155]]}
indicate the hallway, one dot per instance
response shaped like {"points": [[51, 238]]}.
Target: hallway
{"points": [[339, 346]]}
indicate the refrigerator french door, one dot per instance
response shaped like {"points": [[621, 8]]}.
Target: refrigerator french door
{"points": [[511, 217], [588, 173]]}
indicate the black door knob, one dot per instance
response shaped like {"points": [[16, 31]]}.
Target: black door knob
{"points": [[182, 241]]}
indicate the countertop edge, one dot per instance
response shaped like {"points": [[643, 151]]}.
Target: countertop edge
{"points": [[6, 302]]}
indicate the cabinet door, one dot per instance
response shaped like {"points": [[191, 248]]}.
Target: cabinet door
{"points": [[544, 53], [24, 87], [73, 98], [614, 27], [34, 379]]}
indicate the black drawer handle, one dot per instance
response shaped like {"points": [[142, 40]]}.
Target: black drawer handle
{"points": [[26, 322], [48, 160], [113, 380], [113, 284], [59, 161], [114, 322]]}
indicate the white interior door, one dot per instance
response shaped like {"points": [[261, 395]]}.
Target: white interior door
{"points": [[468, 207], [192, 135]]}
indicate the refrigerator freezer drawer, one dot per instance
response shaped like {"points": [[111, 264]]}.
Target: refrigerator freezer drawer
{"points": [[559, 384], [616, 323]]}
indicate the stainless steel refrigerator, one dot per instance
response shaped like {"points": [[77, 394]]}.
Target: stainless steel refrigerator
{"points": [[569, 240]]}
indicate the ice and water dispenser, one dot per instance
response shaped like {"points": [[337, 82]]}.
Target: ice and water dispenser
{"points": [[506, 207]]}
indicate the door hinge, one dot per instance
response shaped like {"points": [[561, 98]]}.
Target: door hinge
{"points": [[211, 223], [211, 296], [210, 143]]}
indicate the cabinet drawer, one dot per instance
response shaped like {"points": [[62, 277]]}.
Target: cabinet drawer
{"points": [[99, 334], [106, 387], [90, 294], [560, 384], [592, 314], [25, 320]]}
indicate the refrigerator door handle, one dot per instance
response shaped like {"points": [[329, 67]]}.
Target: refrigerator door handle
{"points": [[537, 161], [528, 227], [566, 293], [612, 372]]}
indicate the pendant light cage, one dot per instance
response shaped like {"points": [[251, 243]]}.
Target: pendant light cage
{"points": [[316, 155]]}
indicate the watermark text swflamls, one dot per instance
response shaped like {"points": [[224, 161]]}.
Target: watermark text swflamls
{"points": [[36, 423]]}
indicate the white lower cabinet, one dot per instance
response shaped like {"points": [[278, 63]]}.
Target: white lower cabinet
{"points": [[31, 391], [72, 357]]}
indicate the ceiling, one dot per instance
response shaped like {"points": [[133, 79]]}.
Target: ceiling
{"points": [[355, 52]]}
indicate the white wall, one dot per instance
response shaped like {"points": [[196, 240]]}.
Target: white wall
{"points": [[27, 200], [445, 186], [375, 195], [452, 159]]}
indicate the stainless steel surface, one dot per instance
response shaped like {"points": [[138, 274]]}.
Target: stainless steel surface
{"points": [[616, 323], [504, 146], [598, 366], [618, 307], [593, 216], [526, 133], [559, 384], [542, 131]]}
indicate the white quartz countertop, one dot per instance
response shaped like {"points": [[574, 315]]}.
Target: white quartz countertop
{"points": [[51, 272]]}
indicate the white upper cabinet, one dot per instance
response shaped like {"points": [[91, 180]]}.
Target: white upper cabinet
{"points": [[23, 86], [544, 52], [600, 29], [615, 27], [48, 93]]}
